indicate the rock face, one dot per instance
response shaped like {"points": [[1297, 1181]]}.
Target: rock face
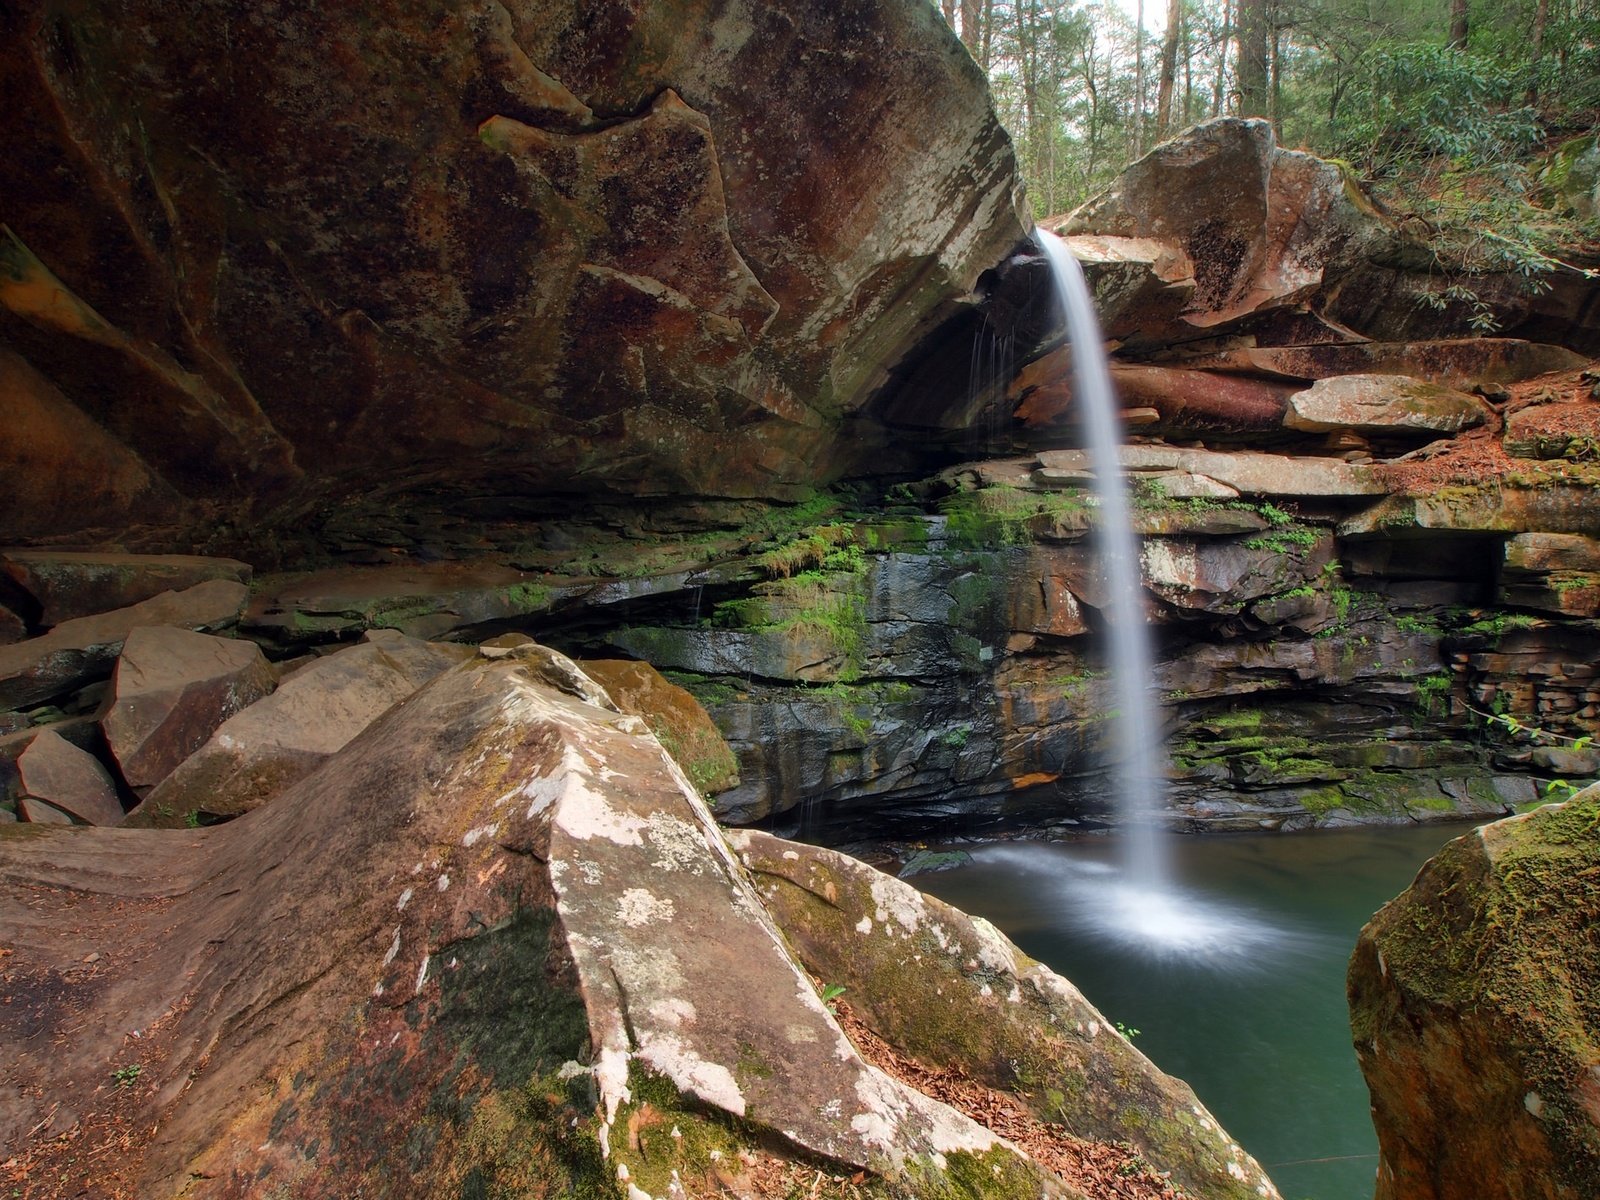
{"points": [[1476, 1018], [657, 249], [471, 928], [952, 991]]}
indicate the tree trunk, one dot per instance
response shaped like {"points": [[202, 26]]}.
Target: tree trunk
{"points": [[971, 19], [948, 7], [987, 56], [1541, 19], [1169, 69], [1251, 65], [1275, 99], [1138, 81], [1221, 79], [1458, 24]]}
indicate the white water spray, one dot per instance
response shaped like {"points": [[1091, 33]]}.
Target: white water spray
{"points": [[1138, 775]]}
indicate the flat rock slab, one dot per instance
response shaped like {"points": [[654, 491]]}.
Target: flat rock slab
{"points": [[1248, 472], [67, 585], [1383, 404], [170, 690], [313, 714], [55, 771], [424, 601], [78, 651], [1555, 508], [1454, 363]]}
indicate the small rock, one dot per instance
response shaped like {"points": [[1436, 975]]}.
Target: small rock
{"points": [[37, 812], [68, 779]]}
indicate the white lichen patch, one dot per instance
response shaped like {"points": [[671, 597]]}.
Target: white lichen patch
{"points": [[897, 902], [673, 1011], [682, 846], [894, 1118], [864, 925], [637, 908], [422, 976], [394, 948], [800, 1034], [403, 900], [443, 883], [995, 951], [475, 835], [1237, 1172], [708, 1081]]}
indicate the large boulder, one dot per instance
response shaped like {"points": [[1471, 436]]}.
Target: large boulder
{"points": [[487, 950], [170, 690], [1261, 225], [79, 651], [257, 752], [952, 991], [540, 246], [1476, 1015]]}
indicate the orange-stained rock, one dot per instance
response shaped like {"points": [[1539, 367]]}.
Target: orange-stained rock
{"points": [[55, 771], [1186, 401], [678, 720], [170, 690]]}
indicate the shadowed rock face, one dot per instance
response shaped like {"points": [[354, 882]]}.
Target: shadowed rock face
{"points": [[541, 246]]}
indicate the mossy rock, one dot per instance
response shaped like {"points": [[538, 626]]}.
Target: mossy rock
{"points": [[951, 991], [1475, 1007]]}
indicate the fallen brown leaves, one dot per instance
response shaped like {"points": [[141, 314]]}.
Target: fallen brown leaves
{"points": [[1554, 404], [1100, 1170]]}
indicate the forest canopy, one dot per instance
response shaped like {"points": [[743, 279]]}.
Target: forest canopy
{"points": [[1464, 117]]}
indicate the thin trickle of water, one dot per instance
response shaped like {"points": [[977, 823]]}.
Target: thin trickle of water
{"points": [[1138, 774]]}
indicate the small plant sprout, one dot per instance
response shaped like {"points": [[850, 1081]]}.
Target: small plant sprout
{"points": [[831, 993], [127, 1076], [1127, 1031]]}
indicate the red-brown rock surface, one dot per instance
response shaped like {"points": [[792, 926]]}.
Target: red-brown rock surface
{"points": [[539, 246], [170, 690]]}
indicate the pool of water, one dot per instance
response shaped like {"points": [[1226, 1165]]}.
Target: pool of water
{"points": [[1234, 979]]}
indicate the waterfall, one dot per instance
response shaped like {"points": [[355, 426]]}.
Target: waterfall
{"points": [[1138, 775]]}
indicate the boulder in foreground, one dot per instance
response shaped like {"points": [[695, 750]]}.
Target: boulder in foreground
{"points": [[1475, 1007], [485, 949]]}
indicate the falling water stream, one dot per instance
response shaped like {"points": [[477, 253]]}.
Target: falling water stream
{"points": [[1139, 905]]}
